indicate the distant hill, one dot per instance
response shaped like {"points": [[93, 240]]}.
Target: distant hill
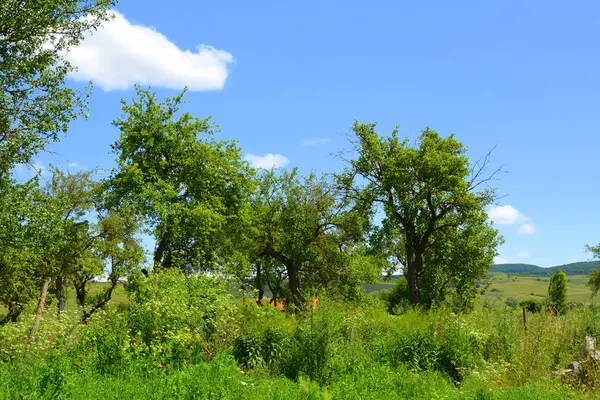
{"points": [[578, 268]]}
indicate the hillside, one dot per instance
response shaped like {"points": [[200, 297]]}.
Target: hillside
{"points": [[578, 268]]}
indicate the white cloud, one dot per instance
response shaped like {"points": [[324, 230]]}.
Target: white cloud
{"points": [[523, 254], [313, 142], [527, 229], [267, 161], [73, 164], [121, 54], [505, 215], [500, 260]]}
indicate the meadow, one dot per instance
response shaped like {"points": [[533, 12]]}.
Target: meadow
{"points": [[173, 346], [503, 286]]}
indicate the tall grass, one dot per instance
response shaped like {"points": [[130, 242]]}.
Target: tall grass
{"points": [[340, 351]]}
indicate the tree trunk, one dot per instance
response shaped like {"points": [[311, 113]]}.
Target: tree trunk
{"points": [[259, 284], [414, 265], [60, 294], [160, 258], [106, 297], [294, 282], [14, 310], [40, 309], [80, 293]]}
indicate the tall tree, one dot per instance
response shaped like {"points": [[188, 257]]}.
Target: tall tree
{"points": [[191, 189], [428, 194], [35, 104], [69, 195], [557, 292], [30, 234], [303, 225]]}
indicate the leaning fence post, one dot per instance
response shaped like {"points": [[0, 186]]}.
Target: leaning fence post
{"points": [[524, 319]]}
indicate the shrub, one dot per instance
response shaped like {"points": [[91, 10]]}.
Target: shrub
{"points": [[531, 305], [175, 317], [557, 292], [511, 302], [398, 299]]}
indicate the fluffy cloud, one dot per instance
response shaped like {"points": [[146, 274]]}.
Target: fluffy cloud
{"points": [[121, 54], [505, 215], [267, 161], [523, 254], [527, 229], [500, 260], [313, 142]]}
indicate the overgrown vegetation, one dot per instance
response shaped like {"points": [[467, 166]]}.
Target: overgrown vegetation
{"points": [[222, 228]]}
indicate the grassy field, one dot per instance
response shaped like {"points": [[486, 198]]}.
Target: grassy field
{"points": [[502, 286]]}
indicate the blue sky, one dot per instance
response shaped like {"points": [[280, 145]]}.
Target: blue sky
{"points": [[288, 79]]}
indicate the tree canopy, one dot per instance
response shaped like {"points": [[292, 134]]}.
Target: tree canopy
{"points": [[191, 189], [35, 104], [302, 224], [431, 196]]}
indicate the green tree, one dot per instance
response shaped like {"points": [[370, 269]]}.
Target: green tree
{"points": [[69, 196], [20, 246], [302, 225], [35, 105], [191, 189], [594, 282], [31, 231], [117, 252], [431, 196], [557, 292]]}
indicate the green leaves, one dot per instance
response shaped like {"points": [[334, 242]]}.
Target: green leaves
{"points": [[434, 204], [35, 105], [557, 292], [191, 189], [303, 225]]}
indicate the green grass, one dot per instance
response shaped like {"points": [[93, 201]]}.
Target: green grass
{"points": [[520, 287], [504, 286]]}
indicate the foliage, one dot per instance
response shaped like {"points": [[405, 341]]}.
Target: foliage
{"points": [[398, 299], [31, 231], [173, 314], [69, 197], [191, 189], [511, 302], [557, 292], [319, 240], [430, 195], [531, 305], [339, 350], [35, 104], [594, 282]]}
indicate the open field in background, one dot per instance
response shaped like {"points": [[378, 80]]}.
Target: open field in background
{"points": [[503, 286]]}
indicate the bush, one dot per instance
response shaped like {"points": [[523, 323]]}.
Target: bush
{"points": [[557, 292], [398, 299], [174, 317], [511, 302], [531, 305]]}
